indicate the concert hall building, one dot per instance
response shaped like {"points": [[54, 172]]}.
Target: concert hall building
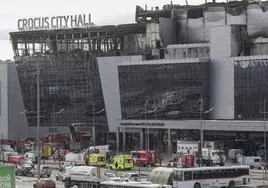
{"points": [[180, 72]]}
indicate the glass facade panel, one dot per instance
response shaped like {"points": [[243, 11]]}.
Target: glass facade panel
{"points": [[251, 88], [70, 91], [164, 91]]}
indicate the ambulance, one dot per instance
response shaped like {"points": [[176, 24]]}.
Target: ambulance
{"points": [[122, 162], [97, 159]]}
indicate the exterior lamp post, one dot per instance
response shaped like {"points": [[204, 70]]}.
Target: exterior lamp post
{"points": [[38, 119], [54, 128], [264, 139], [202, 129]]}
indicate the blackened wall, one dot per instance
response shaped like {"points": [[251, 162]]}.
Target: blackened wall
{"points": [[251, 88], [164, 91]]}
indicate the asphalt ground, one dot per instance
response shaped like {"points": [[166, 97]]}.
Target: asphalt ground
{"points": [[27, 182], [258, 177]]}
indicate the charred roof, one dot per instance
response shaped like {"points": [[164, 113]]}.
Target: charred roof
{"points": [[108, 30]]}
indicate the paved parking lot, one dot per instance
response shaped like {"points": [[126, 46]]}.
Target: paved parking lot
{"points": [[27, 182]]}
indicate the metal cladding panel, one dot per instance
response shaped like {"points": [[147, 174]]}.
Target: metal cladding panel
{"points": [[222, 73], [196, 30], [260, 47], [256, 16], [110, 86], [213, 19], [237, 20], [180, 15], [4, 100], [167, 30], [17, 122]]}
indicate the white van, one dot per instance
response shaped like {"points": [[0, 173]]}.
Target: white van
{"points": [[217, 157], [73, 159], [253, 162]]}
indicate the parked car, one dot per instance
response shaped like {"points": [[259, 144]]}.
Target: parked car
{"points": [[31, 156], [45, 183], [112, 176], [45, 171], [131, 176], [23, 168], [60, 176]]}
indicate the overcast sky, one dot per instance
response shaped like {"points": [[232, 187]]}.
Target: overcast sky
{"points": [[102, 12]]}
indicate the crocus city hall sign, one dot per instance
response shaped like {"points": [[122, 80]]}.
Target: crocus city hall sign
{"points": [[55, 22]]}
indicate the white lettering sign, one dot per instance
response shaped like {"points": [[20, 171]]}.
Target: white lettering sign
{"points": [[55, 22], [5, 181], [141, 124]]}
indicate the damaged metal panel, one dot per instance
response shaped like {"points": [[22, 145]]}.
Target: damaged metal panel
{"points": [[152, 35], [260, 46], [257, 16], [180, 15], [195, 30], [182, 51], [214, 17], [168, 31]]}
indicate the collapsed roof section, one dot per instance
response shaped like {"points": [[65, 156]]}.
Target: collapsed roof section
{"points": [[194, 11], [106, 40], [155, 28]]}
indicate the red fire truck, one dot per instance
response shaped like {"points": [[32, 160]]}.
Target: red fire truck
{"points": [[145, 158], [183, 161]]}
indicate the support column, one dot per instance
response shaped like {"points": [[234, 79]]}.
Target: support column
{"points": [[201, 134], [169, 141], [107, 137], [141, 139], [117, 139], [124, 141], [201, 142], [94, 135]]}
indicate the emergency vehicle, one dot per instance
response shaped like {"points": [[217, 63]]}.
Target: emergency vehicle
{"points": [[122, 162], [97, 159], [47, 151], [183, 161], [72, 159], [145, 157], [187, 147]]}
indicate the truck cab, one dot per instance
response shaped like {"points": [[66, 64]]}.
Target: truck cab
{"points": [[213, 157], [145, 157]]}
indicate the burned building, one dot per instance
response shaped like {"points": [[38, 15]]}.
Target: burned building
{"points": [[207, 73], [178, 70], [69, 78]]}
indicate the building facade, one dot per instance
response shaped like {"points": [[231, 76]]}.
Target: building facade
{"points": [[12, 109], [206, 78], [180, 72]]}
